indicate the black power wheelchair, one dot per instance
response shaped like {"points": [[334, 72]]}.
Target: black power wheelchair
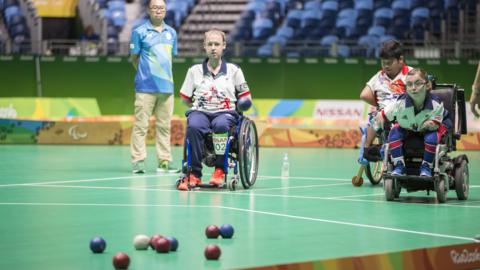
{"points": [[241, 155], [448, 173]]}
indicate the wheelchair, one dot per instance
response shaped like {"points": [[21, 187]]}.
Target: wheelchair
{"points": [[449, 173], [241, 155]]}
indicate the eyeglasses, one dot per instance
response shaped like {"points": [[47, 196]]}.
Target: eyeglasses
{"points": [[415, 84], [155, 8]]}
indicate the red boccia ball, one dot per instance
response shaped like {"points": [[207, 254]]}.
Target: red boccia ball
{"points": [[121, 260], [154, 239], [212, 231], [212, 252], [162, 245]]}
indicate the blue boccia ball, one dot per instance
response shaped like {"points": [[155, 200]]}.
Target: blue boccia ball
{"points": [[244, 103], [226, 231], [173, 243], [97, 244]]}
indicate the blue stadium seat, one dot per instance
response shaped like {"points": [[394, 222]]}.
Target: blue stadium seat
{"points": [[262, 28], [377, 31], [343, 50], [368, 45], [285, 31], [347, 13], [116, 5], [401, 8], [383, 17], [294, 18], [364, 4], [312, 5], [11, 11], [282, 41], [419, 17], [343, 4], [19, 29], [311, 18], [381, 4], [329, 9], [328, 40], [417, 3], [265, 50]]}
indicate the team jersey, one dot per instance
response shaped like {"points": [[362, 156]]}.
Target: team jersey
{"points": [[214, 93], [385, 89], [403, 112], [155, 49]]}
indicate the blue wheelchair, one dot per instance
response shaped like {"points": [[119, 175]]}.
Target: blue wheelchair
{"points": [[240, 154], [449, 173]]}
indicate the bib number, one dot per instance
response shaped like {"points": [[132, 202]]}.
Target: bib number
{"points": [[220, 143]]}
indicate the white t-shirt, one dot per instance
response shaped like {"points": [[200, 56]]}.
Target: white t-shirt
{"points": [[217, 93], [385, 89]]}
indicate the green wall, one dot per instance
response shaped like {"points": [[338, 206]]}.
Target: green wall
{"points": [[110, 79]]}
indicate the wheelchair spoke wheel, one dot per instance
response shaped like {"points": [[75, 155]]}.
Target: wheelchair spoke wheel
{"points": [[462, 180], [248, 153]]}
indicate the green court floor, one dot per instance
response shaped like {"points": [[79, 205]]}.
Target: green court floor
{"points": [[54, 199]]}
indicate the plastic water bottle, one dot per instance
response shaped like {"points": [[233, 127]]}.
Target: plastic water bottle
{"points": [[285, 167]]}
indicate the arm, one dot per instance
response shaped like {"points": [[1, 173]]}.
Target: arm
{"points": [[242, 91], [368, 96], [186, 92], [135, 58], [435, 119], [475, 96]]}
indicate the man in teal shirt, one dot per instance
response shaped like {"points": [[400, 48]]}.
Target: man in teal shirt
{"points": [[152, 47]]}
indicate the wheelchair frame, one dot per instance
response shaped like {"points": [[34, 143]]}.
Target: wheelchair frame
{"points": [[241, 154], [448, 173]]}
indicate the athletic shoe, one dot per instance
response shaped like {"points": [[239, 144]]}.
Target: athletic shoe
{"points": [[425, 170], [164, 167], [138, 167], [193, 182], [399, 169], [217, 177]]}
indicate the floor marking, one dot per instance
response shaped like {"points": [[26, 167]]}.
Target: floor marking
{"points": [[250, 211], [353, 196], [226, 192], [270, 177], [294, 187], [350, 223], [88, 180]]}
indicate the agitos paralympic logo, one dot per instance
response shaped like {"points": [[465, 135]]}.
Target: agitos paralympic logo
{"points": [[465, 256]]}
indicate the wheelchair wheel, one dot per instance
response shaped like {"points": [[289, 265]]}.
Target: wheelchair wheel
{"points": [[248, 153], [440, 189], [373, 171], [388, 186], [462, 180]]}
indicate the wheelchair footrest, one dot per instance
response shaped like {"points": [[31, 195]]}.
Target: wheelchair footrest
{"points": [[409, 177], [224, 185]]}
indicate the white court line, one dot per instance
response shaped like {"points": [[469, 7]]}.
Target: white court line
{"points": [[251, 211], [295, 187], [269, 177], [354, 196], [226, 192], [87, 180]]}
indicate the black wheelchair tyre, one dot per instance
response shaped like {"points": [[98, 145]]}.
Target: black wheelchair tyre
{"points": [[389, 192], [462, 180], [441, 190], [248, 153]]}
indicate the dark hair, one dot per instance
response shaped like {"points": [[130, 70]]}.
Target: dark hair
{"points": [[422, 73], [391, 49]]}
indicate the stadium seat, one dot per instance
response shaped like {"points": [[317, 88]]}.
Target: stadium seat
{"points": [[343, 4], [377, 31], [294, 18], [312, 5], [419, 17], [285, 31], [417, 3], [381, 4], [383, 17], [265, 50], [311, 18]]}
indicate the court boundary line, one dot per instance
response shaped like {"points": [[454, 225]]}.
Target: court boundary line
{"points": [[255, 194], [352, 224]]}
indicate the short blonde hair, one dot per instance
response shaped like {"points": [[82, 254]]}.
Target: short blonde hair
{"points": [[215, 31]]}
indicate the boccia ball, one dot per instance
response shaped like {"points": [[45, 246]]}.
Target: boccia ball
{"points": [[212, 231], [212, 252], [226, 231], [244, 103], [121, 260], [173, 243], [97, 244], [162, 245], [153, 240], [141, 242]]}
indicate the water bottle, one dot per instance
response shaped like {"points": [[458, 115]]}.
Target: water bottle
{"points": [[285, 167]]}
